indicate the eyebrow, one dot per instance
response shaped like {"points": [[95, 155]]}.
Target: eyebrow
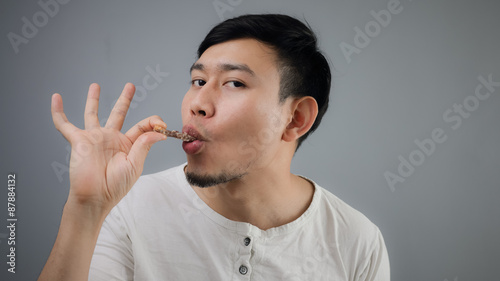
{"points": [[224, 67]]}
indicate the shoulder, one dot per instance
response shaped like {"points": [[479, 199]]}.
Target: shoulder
{"points": [[170, 176], [352, 230], [157, 183], [357, 240], [163, 189], [345, 217]]}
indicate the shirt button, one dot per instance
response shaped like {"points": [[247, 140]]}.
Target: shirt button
{"points": [[243, 270], [247, 241]]}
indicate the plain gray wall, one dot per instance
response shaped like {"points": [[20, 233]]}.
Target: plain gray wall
{"points": [[440, 220]]}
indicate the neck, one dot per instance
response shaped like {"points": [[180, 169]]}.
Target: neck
{"points": [[265, 198]]}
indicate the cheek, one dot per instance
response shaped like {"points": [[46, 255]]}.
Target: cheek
{"points": [[270, 116], [271, 131], [185, 108], [259, 125]]}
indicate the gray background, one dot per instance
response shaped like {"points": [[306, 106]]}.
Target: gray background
{"points": [[441, 223]]}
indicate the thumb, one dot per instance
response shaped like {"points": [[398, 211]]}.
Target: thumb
{"points": [[140, 148]]}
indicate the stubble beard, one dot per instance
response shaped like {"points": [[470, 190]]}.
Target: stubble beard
{"points": [[206, 180], [233, 171]]}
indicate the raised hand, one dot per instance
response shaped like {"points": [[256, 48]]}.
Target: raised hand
{"points": [[105, 163]]}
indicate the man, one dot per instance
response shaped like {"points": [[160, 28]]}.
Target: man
{"points": [[234, 211]]}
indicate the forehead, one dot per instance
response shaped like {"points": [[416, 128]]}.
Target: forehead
{"points": [[245, 55]]}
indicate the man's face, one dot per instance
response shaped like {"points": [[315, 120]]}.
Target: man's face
{"points": [[233, 108]]}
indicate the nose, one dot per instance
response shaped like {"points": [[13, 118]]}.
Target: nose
{"points": [[203, 102]]}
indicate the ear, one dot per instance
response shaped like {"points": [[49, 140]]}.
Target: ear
{"points": [[302, 116]]}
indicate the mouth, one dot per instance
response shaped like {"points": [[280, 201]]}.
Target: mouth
{"points": [[195, 146], [174, 134]]}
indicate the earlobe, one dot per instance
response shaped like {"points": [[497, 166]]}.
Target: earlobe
{"points": [[302, 116]]}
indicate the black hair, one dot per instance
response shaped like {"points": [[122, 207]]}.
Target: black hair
{"points": [[304, 71]]}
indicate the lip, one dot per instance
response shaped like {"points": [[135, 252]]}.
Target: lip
{"points": [[195, 146], [192, 132], [192, 147]]}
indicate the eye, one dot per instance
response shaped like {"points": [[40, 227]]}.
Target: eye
{"points": [[198, 82], [236, 84]]}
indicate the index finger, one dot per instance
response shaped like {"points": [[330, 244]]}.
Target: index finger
{"points": [[145, 125]]}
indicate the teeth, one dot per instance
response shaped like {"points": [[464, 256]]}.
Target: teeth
{"points": [[174, 134]]}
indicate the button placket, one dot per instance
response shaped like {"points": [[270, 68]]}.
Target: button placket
{"points": [[243, 270], [242, 265]]}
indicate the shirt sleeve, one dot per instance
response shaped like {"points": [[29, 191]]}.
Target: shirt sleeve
{"points": [[377, 266], [112, 259]]}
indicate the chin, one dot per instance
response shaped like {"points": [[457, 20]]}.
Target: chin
{"points": [[214, 172], [200, 178]]}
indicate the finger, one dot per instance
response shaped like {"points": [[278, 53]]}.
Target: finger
{"points": [[117, 115], [92, 107], [144, 126], [59, 118], [140, 148]]}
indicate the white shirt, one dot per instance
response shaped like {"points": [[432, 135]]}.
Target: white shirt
{"points": [[162, 230]]}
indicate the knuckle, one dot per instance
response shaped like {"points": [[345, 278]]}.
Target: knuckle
{"points": [[140, 128], [120, 111]]}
